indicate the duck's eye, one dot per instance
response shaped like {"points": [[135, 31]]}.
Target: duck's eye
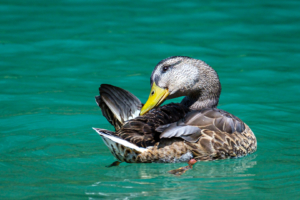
{"points": [[165, 68]]}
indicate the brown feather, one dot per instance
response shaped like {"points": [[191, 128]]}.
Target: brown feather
{"points": [[141, 130]]}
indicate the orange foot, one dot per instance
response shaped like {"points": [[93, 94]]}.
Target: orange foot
{"points": [[181, 170]]}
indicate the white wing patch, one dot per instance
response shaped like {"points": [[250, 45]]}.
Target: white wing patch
{"points": [[134, 115], [109, 139]]}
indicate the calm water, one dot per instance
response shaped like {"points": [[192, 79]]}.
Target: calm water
{"points": [[55, 54]]}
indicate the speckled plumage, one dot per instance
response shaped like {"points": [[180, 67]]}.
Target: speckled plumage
{"points": [[195, 128]]}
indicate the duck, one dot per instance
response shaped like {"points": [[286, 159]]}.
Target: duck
{"points": [[176, 132]]}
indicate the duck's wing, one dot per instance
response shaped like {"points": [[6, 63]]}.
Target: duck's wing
{"points": [[190, 127], [180, 129], [211, 132], [117, 105], [141, 130]]}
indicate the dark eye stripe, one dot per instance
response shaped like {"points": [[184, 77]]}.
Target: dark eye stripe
{"points": [[165, 68]]}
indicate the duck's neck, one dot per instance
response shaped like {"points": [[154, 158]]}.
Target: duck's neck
{"points": [[206, 91], [199, 102]]}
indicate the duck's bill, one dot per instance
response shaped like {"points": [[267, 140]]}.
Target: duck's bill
{"points": [[157, 96]]}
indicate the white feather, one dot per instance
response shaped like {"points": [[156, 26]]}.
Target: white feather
{"points": [[109, 138], [134, 115]]}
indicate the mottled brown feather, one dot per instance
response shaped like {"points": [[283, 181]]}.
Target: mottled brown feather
{"points": [[228, 138], [141, 130]]}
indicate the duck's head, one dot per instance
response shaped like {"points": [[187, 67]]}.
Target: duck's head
{"points": [[183, 76]]}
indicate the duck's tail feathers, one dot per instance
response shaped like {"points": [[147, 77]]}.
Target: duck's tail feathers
{"points": [[117, 105], [120, 148]]}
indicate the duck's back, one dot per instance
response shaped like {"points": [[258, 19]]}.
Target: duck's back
{"points": [[207, 134], [142, 130], [222, 135]]}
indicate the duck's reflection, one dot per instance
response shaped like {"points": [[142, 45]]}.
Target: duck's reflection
{"points": [[138, 180]]}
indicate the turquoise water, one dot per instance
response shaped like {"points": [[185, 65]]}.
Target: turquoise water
{"points": [[55, 54]]}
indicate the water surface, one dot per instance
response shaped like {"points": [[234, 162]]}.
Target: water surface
{"points": [[55, 54]]}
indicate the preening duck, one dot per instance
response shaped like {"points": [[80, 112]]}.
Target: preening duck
{"points": [[193, 129]]}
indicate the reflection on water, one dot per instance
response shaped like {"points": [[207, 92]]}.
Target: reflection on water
{"points": [[142, 180]]}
